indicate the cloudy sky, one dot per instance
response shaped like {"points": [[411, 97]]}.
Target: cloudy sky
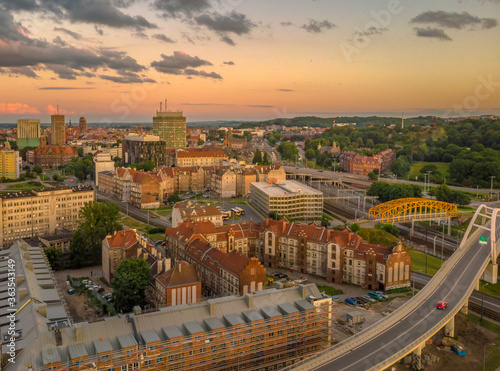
{"points": [[115, 60]]}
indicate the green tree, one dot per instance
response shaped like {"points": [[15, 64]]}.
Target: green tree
{"points": [[265, 160], [325, 223], [401, 167], [355, 227], [97, 220], [80, 151], [172, 199], [54, 257], [130, 281], [372, 176], [201, 142], [38, 169], [274, 215], [257, 157], [392, 229], [310, 154], [288, 151]]}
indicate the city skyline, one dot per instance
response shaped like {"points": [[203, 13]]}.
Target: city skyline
{"points": [[114, 61]]}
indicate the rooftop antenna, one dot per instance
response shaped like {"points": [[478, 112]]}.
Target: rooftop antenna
{"points": [[160, 106], [402, 121], [165, 105]]}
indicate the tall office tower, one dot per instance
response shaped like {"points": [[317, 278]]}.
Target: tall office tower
{"points": [[28, 133], [170, 127], [57, 130], [82, 128]]}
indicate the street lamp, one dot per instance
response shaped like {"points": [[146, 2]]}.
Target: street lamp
{"points": [[435, 244], [491, 191], [484, 354]]}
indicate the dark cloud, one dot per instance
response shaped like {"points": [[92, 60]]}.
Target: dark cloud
{"points": [[58, 41], [19, 4], [163, 38], [63, 72], [175, 8], [229, 63], [286, 24], [285, 90], [181, 63], [24, 71], [74, 35], [315, 26], [371, 31], [124, 3], [98, 30], [233, 22], [11, 30], [141, 35], [227, 40], [127, 78], [455, 20], [435, 33]]}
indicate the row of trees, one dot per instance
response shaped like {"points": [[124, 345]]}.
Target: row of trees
{"points": [[259, 159]]}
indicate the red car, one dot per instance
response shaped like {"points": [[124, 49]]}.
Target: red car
{"points": [[441, 305], [153, 216]]}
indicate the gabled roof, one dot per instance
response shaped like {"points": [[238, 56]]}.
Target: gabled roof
{"points": [[180, 275], [122, 239]]}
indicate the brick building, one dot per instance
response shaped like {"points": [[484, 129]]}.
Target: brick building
{"points": [[362, 165], [204, 156], [50, 157], [178, 286]]}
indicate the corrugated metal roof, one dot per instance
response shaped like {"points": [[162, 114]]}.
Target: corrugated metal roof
{"points": [[56, 312], [304, 305], [172, 332], [48, 295], [149, 336], [50, 356], [234, 319], [288, 308], [193, 328], [102, 345], [127, 340], [252, 315], [77, 351], [214, 324], [270, 312]]}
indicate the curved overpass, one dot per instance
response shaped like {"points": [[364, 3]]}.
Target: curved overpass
{"points": [[406, 329]]}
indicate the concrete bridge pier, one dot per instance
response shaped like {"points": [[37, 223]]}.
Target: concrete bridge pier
{"points": [[465, 308], [491, 273], [416, 363], [449, 328]]}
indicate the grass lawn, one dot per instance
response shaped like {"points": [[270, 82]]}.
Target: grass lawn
{"points": [[378, 236], [328, 290], [23, 187], [416, 166], [489, 288], [327, 216], [233, 218], [134, 224], [167, 209], [238, 201], [418, 262], [44, 177]]}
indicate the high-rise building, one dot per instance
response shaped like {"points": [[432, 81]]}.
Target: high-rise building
{"points": [[57, 130], [82, 127], [142, 148], [170, 127], [9, 164], [28, 133]]}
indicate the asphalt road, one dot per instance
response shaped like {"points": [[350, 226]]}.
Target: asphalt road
{"points": [[360, 179], [250, 213], [452, 289], [476, 296]]}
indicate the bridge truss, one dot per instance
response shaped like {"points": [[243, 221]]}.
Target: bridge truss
{"points": [[410, 209]]}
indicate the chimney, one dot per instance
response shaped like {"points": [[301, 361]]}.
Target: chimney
{"points": [[212, 309], [179, 265], [145, 255], [249, 300], [328, 231], [59, 341], [159, 264], [283, 223], [303, 291], [78, 334]]}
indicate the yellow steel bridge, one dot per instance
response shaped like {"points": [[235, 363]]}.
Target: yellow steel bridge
{"points": [[408, 209]]}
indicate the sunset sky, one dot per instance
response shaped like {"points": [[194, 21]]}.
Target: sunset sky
{"points": [[115, 60]]}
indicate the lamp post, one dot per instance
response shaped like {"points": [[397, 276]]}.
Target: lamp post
{"points": [[491, 191], [435, 245], [484, 355]]}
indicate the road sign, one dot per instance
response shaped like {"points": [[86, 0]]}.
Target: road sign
{"points": [[483, 240]]}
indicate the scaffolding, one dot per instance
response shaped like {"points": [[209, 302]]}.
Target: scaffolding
{"points": [[246, 347]]}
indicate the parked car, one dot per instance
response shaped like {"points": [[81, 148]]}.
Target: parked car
{"points": [[153, 216], [350, 301], [100, 290], [164, 243], [381, 294], [158, 242], [303, 279], [70, 290], [369, 298], [275, 274], [458, 349], [324, 296], [375, 296], [442, 305], [361, 299]]}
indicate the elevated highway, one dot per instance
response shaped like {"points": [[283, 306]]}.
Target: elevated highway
{"points": [[407, 329]]}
